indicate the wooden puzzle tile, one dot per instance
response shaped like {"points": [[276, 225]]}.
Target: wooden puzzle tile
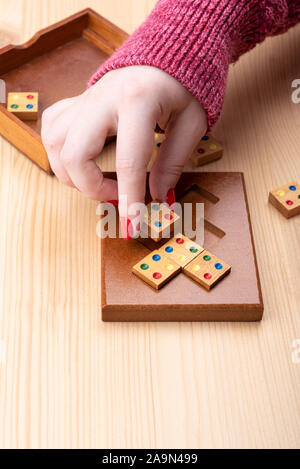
{"points": [[286, 199], [23, 105], [159, 139], [207, 269], [207, 150], [181, 249], [159, 221], [156, 269]]}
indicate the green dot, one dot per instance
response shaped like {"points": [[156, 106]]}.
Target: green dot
{"points": [[14, 106], [207, 258], [144, 266], [193, 249], [299, 196]]}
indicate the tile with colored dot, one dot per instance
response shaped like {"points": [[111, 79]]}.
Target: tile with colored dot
{"points": [[23, 105], [181, 249], [156, 269], [159, 221], [286, 199], [206, 151], [207, 269], [159, 139]]}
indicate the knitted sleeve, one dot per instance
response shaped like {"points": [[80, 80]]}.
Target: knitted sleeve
{"points": [[196, 40]]}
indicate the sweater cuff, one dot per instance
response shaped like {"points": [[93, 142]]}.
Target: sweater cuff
{"points": [[194, 41]]}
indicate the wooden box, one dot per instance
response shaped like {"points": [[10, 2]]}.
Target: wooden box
{"points": [[228, 234], [57, 63]]}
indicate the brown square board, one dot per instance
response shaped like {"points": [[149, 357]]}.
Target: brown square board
{"points": [[57, 63], [228, 235]]}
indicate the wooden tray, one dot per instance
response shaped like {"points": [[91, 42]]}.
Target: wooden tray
{"points": [[228, 235], [57, 62]]}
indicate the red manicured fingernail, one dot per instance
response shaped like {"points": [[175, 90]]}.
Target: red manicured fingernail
{"points": [[125, 223], [171, 199], [113, 202]]}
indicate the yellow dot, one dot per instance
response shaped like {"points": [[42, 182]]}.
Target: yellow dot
{"points": [[196, 267], [182, 258], [169, 266], [16, 97], [281, 193], [213, 146]]}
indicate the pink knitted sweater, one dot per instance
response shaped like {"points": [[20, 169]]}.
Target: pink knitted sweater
{"points": [[196, 40]]}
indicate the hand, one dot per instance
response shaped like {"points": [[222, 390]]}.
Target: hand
{"points": [[126, 102]]}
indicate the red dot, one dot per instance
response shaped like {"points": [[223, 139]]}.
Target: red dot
{"points": [[201, 151], [30, 96], [179, 241], [207, 276], [289, 202], [168, 216], [157, 275]]}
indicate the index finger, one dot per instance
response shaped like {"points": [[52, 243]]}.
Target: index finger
{"points": [[134, 151]]}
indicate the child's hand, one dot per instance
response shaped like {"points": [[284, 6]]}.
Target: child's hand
{"points": [[127, 102]]}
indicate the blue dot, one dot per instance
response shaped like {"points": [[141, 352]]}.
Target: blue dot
{"points": [[155, 207], [218, 266], [206, 137], [169, 249], [292, 188], [29, 106], [157, 223], [156, 257]]}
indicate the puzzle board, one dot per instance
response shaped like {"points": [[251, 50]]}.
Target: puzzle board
{"points": [[228, 234]]}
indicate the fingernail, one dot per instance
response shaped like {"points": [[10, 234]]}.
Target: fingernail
{"points": [[171, 199], [125, 223], [113, 202]]}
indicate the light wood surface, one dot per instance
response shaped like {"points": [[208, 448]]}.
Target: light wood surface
{"points": [[67, 380]]}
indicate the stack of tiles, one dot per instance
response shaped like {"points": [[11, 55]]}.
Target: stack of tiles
{"points": [[181, 254], [206, 151], [23, 105], [159, 221], [286, 199]]}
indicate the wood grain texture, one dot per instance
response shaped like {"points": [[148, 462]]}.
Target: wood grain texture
{"points": [[69, 380]]}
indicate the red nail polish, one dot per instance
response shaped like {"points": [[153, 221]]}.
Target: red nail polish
{"points": [[113, 202], [171, 199], [125, 224]]}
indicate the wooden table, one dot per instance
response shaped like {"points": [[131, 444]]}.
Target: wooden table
{"points": [[67, 380]]}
